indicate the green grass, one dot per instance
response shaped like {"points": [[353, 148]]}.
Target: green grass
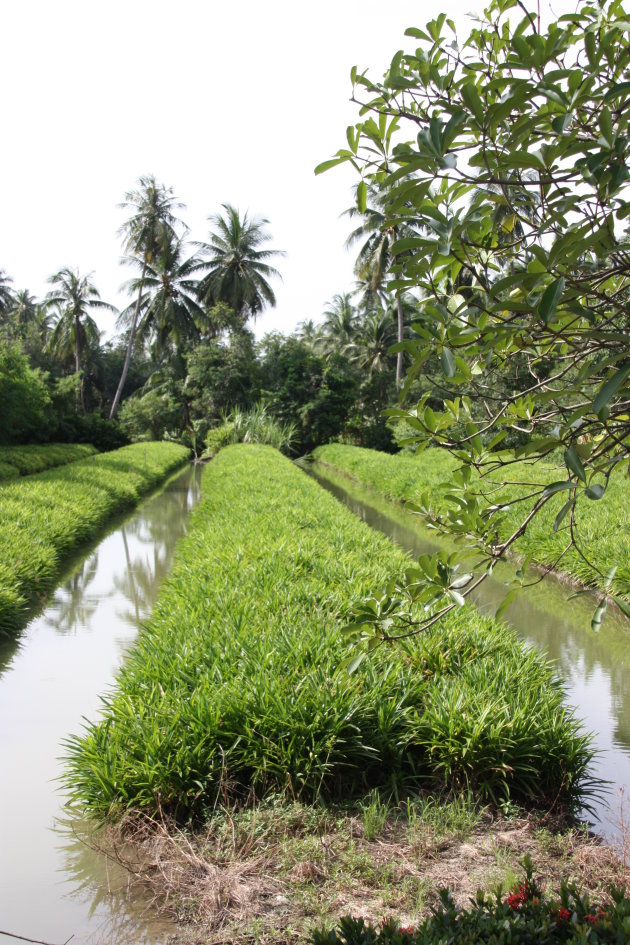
{"points": [[44, 517], [235, 688], [26, 460], [602, 526]]}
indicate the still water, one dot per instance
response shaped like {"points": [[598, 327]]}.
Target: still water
{"points": [[595, 667], [52, 885]]}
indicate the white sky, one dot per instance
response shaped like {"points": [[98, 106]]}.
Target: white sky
{"points": [[223, 102]]}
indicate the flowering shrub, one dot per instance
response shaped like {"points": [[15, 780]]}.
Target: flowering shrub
{"points": [[527, 916]]}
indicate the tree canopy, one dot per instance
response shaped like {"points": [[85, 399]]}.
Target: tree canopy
{"points": [[508, 149]]}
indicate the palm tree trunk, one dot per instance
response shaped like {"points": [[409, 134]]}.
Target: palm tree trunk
{"points": [[132, 338], [77, 365], [399, 359]]}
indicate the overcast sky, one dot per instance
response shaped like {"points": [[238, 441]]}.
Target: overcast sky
{"points": [[222, 102]]}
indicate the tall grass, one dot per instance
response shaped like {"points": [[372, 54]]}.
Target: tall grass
{"points": [[256, 425], [25, 460], [603, 526], [44, 517], [235, 685]]}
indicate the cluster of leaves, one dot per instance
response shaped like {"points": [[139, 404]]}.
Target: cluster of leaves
{"points": [[516, 181], [527, 916]]}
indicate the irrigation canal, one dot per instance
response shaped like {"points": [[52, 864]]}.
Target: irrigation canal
{"points": [[53, 885], [595, 667]]}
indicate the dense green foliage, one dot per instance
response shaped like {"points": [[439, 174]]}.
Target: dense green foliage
{"points": [[235, 685], [46, 516], [25, 460], [501, 159], [424, 481], [528, 915], [25, 399]]}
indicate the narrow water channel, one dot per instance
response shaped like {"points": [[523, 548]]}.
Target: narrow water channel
{"points": [[595, 667], [52, 885]]}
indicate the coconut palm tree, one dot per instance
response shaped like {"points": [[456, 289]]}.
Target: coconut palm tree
{"points": [[168, 299], [238, 270], [375, 257], [340, 324], [151, 224], [6, 294], [71, 299]]}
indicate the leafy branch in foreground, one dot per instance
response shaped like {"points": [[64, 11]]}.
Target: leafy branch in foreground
{"points": [[516, 182]]}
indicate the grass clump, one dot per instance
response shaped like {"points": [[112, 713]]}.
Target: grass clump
{"points": [[235, 688], [35, 458], [405, 477], [46, 516]]}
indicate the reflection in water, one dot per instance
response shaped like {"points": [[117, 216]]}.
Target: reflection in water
{"points": [[594, 666], [52, 885]]}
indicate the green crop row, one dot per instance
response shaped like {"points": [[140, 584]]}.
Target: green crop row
{"points": [[602, 525], [25, 460], [46, 516], [237, 688]]}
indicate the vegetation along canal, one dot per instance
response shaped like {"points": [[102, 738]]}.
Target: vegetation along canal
{"points": [[52, 884], [592, 665]]}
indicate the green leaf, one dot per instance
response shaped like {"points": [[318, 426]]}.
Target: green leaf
{"points": [[610, 388], [554, 487], [361, 196], [505, 603], [562, 513], [574, 463], [595, 492], [472, 100], [623, 605], [599, 615], [550, 298], [449, 366]]}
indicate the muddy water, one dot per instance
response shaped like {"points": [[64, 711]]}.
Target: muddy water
{"points": [[52, 885], [594, 666]]}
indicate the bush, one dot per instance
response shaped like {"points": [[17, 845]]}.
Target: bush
{"points": [[527, 916], [26, 404]]}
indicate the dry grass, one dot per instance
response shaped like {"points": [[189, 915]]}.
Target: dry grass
{"points": [[270, 873]]}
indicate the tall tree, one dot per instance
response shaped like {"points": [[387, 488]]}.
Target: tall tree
{"points": [[6, 293], [339, 326], [72, 298], [170, 314], [377, 235], [152, 224], [238, 270]]}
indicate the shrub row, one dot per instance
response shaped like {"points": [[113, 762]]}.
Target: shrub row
{"points": [[406, 477], [237, 686], [44, 517], [26, 460]]}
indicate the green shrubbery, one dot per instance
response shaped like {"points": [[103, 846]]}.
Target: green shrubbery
{"points": [[44, 517], [251, 426], [25, 460], [407, 477], [236, 686], [527, 916]]}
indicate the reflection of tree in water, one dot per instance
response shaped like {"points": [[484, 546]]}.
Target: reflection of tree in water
{"points": [[97, 878], [161, 526], [72, 608]]}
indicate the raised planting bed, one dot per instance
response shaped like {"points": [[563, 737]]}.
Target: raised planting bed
{"points": [[236, 687], [602, 526], [26, 460], [44, 517]]}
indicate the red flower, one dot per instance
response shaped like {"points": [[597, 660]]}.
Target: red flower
{"points": [[562, 915], [591, 918]]}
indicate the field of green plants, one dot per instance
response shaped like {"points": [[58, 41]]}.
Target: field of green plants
{"points": [[405, 477], [25, 460], [44, 517], [237, 688]]}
